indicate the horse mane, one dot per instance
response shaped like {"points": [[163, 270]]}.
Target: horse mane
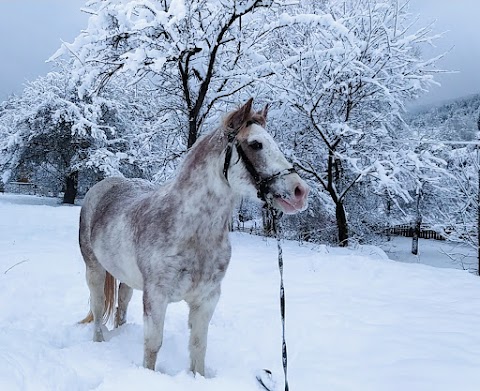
{"points": [[254, 117]]}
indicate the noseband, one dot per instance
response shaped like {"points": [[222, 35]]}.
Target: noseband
{"points": [[261, 183]]}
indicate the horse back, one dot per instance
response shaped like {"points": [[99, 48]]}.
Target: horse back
{"points": [[110, 197]]}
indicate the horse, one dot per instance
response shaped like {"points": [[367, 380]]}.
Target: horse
{"points": [[172, 241]]}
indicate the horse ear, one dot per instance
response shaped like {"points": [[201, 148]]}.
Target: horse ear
{"points": [[240, 116], [247, 107], [264, 111]]}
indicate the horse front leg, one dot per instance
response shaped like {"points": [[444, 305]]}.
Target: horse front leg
{"points": [[201, 313], [154, 309]]}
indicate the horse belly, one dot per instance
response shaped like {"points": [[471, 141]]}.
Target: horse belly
{"points": [[127, 272]]}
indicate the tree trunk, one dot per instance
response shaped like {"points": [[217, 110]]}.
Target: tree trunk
{"points": [[342, 224], [71, 184], [416, 235], [388, 213], [417, 224], [192, 131]]}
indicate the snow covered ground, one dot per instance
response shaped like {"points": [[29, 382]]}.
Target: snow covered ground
{"points": [[432, 252], [356, 321]]}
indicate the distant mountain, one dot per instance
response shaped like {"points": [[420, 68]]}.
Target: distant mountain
{"points": [[452, 120]]}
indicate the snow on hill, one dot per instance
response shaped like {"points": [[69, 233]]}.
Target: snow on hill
{"points": [[355, 320]]}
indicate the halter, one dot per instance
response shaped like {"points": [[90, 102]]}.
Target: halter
{"points": [[263, 192], [262, 184]]}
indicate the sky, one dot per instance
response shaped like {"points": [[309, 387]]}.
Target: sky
{"points": [[32, 30], [459, 19]]}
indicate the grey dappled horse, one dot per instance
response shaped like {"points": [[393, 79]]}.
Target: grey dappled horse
{"points": [[172, 241]]}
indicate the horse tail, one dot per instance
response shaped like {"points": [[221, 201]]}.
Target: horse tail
{"points": [[110, 289]]}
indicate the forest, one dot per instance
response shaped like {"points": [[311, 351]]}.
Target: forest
{"points": [[145, 79]]}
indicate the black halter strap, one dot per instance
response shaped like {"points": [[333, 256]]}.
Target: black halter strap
{"points": [[262, 184], [228, 156]]}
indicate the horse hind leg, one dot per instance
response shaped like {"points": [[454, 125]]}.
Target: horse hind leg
{"points": [[102, 285], [96, 277], [103, 291], [124, 296]]}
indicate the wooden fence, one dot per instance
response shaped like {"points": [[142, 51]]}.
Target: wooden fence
{"points": [[407, 230]]}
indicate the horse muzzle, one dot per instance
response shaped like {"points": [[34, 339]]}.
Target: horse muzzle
{"points": [[295, 200]]}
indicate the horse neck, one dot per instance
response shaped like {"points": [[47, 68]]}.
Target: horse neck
{"points": [[200, 178]]}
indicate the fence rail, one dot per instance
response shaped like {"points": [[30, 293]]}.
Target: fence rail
{"points": [[407, 231]]}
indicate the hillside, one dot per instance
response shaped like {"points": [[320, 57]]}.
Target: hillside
{"points": [[453, 120]]}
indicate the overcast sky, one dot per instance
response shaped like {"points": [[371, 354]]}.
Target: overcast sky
{"points": [[460, 19], [32, 30]]}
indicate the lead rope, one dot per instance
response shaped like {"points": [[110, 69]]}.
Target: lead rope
{"points": [[277, 230]]}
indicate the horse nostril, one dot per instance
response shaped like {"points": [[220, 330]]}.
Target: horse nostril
{"points": [[300, 192]]}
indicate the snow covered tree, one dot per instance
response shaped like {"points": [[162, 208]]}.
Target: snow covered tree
{"points": [[423, 176], [465, 195], [451, 131], [347, 68], [457, 205], [50, 129], [195, 53]]}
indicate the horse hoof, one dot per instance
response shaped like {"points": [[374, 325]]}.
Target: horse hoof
{"points": [[98, 337], [119, 322]]}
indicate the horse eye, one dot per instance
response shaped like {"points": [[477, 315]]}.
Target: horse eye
{"points": [[255, 145]]}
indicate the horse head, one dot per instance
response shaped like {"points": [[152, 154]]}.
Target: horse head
{"points": [[255, 166]]}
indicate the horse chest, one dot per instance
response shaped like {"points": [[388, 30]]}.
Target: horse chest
{"points": [[188, 269], [209, 266]]}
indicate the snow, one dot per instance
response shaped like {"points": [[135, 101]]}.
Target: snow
{"points": [[177, 11], [355, 319], [433, 252]]}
